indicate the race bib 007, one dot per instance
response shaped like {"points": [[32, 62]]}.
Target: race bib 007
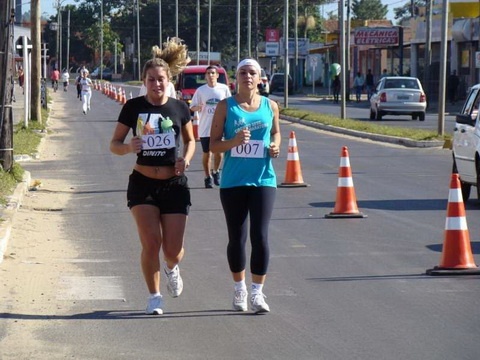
{"points": [[252, 149], [158, 141]]}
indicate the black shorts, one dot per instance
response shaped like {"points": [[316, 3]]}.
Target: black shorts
{"points": [[205, 141], [171, 196]]}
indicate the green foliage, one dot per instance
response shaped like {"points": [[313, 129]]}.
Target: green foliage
{"points": [[120, 20], [369, 10], [405, 11], [8, 181]]}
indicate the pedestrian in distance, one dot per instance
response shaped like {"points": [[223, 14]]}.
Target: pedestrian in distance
{"points": [[79, 86], [336, 85], [384, 74], [21, 78], [65, 79], [246, 128], [369, 83], [55, 76], [86, 85], [453, 83], [358, 83], [205, 101], [158, 194]]}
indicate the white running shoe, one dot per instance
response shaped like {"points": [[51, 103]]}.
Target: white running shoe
{"points": [[258, 304], [240, 300], [175, 282], [154, 306]]}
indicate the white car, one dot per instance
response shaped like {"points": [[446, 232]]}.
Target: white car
{"points": [[466, 144], [398, 95]]}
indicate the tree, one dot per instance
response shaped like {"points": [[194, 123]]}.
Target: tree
{"points": [[405, 12], [369, 10]]}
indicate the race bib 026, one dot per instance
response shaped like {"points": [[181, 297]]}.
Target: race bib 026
{"points": [[158, 141]]}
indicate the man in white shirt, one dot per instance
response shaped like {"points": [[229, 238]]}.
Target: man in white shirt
{"points": [[205, 101]]}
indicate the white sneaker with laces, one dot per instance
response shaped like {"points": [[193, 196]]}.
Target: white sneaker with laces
{"points": [[240, 300], [154, 306], [175, 282], [258, 304]]}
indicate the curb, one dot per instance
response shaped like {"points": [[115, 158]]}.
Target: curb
{"points": [[8, 213], [376, 137]]}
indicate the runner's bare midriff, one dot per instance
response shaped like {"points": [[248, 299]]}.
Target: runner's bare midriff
{"points": [[156, 172]]}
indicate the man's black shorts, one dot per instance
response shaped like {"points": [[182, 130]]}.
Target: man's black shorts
{"points": [[205, 142]]}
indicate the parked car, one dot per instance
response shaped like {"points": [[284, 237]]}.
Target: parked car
{"points": [[264, 86], [192, 77], [466, 144], [398, 95], [106, 74], [277, 83]]}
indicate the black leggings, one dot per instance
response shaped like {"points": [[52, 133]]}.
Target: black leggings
{"points": [[237, 204]]}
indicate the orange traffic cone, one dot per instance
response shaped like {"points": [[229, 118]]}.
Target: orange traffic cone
{"points": [[346, 201], [119, 95], [293, 174], [195, 121], [124, 97], [457, 257]]}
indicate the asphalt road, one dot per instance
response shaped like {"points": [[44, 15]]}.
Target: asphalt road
{"points": [[361, 111], [337, 288]]}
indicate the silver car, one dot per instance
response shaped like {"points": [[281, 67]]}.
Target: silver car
{"points": [[398, 95]]}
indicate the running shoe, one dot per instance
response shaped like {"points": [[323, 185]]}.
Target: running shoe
{"points": [[240, 300], [155, 305], [208, 182], [258, 304], [175, 282], [216, 177]]}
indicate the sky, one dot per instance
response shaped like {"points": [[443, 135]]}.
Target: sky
{"points": [[48, 6]]}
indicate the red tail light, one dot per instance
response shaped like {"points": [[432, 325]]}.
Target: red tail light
{"points": [[423, 98], [383, 97]]}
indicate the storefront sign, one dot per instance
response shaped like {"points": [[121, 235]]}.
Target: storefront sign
{"points": [[376, 36]]}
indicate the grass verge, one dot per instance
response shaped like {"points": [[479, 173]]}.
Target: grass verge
{"points": [[373, 128], [25, 142]]}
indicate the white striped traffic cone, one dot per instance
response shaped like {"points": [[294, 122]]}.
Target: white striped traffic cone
{"points": [[346, 201], [457, 257], [293, 174]]}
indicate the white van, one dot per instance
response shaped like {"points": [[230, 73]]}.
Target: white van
{"points": [[466, 144]]}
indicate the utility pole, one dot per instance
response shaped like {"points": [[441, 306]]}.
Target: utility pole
{"points": [[443, 69], [343, 78], [285, 73], [7, 18], [198, 32], [36, 62], [428, 48]]}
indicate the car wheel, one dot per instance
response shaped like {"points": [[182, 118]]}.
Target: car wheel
{"points": [[422, 117], [372, 114], [465, 187], [379, 115]]}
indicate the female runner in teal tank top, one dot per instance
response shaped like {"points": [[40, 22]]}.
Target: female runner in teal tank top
{"points": [[246, 128]]}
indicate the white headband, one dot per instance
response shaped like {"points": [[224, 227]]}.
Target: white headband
{"points": [[251, 62]]}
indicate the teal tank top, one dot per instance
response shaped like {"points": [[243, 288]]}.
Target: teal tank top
{"points": [[249, 164]]}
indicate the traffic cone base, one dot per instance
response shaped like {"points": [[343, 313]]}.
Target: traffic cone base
{"points": [[457, 257], [346, 201], [293, 174]]}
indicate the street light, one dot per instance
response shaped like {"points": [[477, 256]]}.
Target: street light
{"points": [[138, 38]]}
